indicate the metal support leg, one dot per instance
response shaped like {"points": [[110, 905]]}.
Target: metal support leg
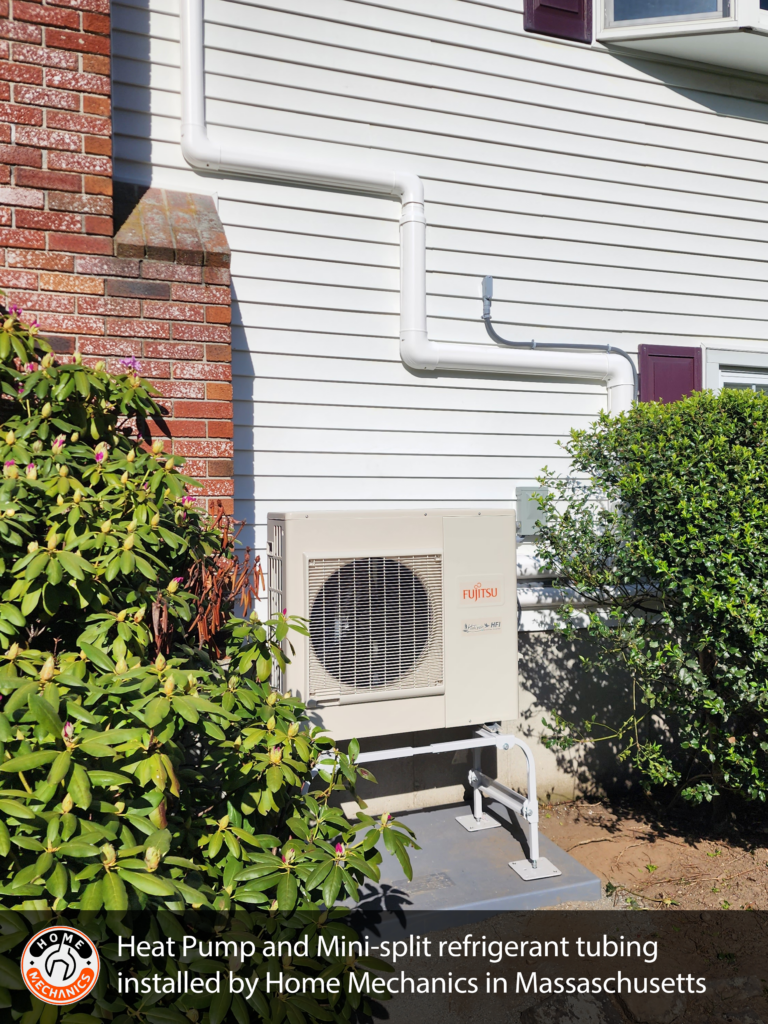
{"points": [[527, 807]]}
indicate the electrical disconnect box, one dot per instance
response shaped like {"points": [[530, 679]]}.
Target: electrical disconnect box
{"points": [[412, 616]]}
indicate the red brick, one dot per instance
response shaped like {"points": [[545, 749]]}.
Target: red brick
{"points": [[21, 73], [72, 283], [81, 41], [201, 332], [151, 369], [79, 243], [22, 239], [95, 64], [170, 272], [204, 410], [20, 115], [196, 468], [139, 328], [79, 162], [111, 347], [109, 267], [199, 293], [139, 289], [218, 353], [22, 197], [97, 145], [36, 302], [74, 324], [17, 279], [96, 23], [48, 139], [183, 428], [6, 216], [78, 203], [221, 428], [5, 174], [221, 468], [215, 487], [97, 105], [97, 305], [43, 220], [173, 311], [48, 179], [61, 343], [100, 6], [204, 449], [226, 505], [21, 156], [23, 33], [171, 350], [46, 58], [46, 97], [218, 391], [45, 15], [5, 133], [5, 89], [218, 314], [202, 371], [40, 260], [182, 389], [88, 123], [77, 82], [98, 186], [99, 225]]}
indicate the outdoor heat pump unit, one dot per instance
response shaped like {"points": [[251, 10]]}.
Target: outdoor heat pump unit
{"points": [[412, 616]]}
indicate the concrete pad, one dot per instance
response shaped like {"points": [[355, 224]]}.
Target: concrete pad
{"points": [[460, 871]]}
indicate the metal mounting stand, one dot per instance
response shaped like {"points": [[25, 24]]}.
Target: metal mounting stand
{"points": [[528, 807]]}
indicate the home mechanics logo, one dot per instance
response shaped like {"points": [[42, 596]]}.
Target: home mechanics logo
{"points": [[60, 965]]}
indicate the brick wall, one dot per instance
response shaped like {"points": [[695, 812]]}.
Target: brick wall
{"points": [[165, 302]]}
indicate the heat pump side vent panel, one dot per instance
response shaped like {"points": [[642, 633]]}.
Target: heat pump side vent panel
{"points": [[276, 591], [376, 627]]}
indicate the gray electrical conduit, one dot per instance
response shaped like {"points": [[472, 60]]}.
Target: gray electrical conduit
{"points": [[488, 299]]}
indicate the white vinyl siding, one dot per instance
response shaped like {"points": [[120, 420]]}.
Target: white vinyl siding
{"points": [[613, 199]]}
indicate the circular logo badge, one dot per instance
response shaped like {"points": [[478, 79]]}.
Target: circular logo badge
{"points": [[60, 965]]}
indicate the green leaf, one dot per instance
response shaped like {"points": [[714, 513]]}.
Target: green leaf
{"points": [[331, 886], [45, 715], [5, 840], [150, 884], [10, 975], [14, 809], [101, 778], [92, 897], [27, 762], [186, 709], [156, 711], [60, 767], [219, 1006], [287, 890], [274, 778], [97, 656], [77, 848], [114, 894], [79, 787]]}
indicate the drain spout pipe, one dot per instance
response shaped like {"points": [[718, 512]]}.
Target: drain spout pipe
{"points": [[417, 350]]}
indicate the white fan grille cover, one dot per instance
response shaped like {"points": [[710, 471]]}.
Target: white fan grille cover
{"points": [[376, 626]]}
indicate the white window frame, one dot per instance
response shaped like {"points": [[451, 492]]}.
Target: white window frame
{"points": [[718, 361], [723, 11]]}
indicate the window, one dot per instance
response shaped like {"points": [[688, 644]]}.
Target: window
{"points": [[744, 380], [741, 370], [620, 13]]}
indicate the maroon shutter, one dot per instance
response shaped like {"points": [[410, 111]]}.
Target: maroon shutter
{"points": [[566, 19], [668, 372]]}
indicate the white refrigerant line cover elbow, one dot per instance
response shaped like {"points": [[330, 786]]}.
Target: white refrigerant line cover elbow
{"points": [[416, 348]]}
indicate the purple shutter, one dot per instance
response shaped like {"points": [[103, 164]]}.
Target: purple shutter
{"points": [[668, 372], [566, 19]]}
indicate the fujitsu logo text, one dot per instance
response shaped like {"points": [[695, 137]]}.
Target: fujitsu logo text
{"points": [[479, 593]]}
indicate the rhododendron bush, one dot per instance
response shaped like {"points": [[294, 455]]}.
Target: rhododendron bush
{"points": [[146, 763]]}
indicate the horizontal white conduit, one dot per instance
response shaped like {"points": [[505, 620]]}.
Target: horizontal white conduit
{"points": [[416, 348]]}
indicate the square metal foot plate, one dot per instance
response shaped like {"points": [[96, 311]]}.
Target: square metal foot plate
{"points": [[471, 824], [544, 869]]}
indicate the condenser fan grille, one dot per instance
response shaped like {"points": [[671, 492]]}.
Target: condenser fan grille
{"points": [[375, 625]]}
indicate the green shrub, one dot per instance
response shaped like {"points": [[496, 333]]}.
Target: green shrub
{"points": [[670, 536], [145, 760]]}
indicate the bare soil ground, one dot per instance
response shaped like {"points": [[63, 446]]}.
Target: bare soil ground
{"points": [[661, 860]]}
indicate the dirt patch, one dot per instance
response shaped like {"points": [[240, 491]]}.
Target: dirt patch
{"points": [[679, 859]]}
